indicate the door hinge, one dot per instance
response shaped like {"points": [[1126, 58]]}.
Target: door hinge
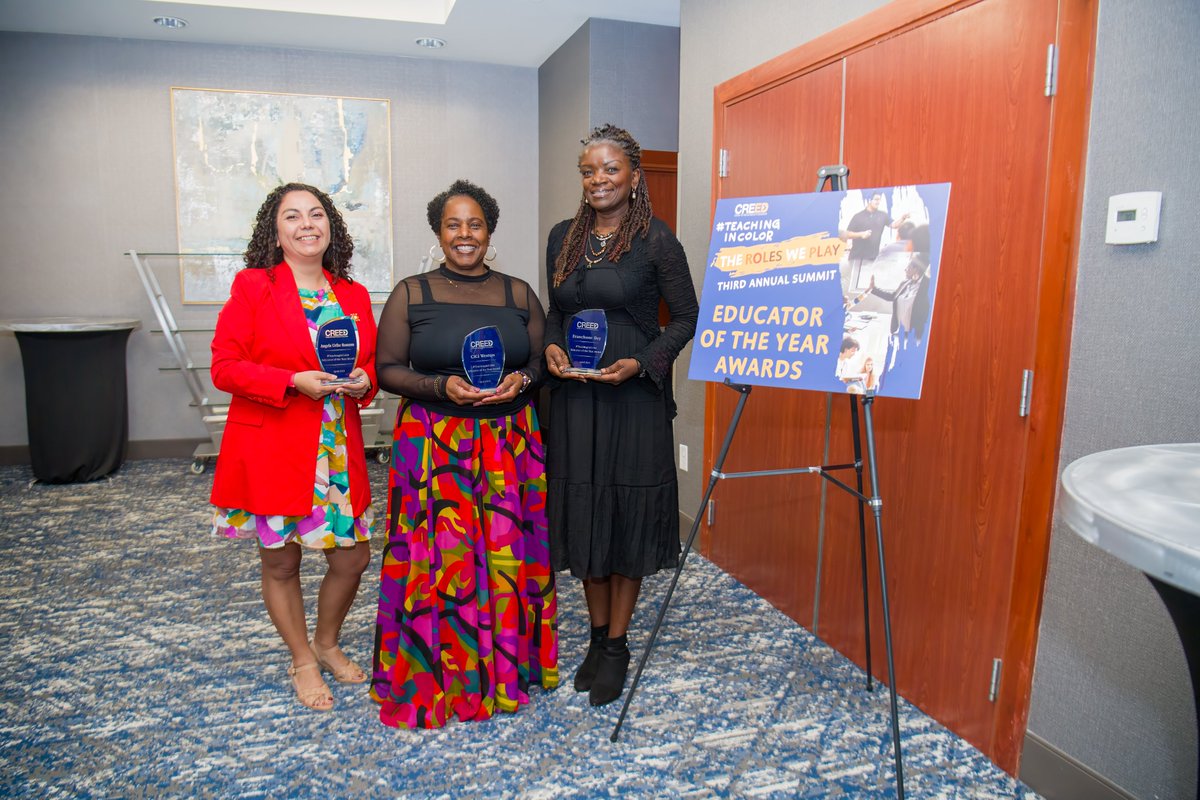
{"points": [[1051, 70], [1026, 393], [722, 163], [995, 687], [711, 514]]}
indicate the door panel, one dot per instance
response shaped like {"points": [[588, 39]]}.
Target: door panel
{"points": [[765, 529], [966, 106], [660, 171]]}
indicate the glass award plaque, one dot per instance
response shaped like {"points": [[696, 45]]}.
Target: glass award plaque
{"points": [[337, 349], [587, 334], [483, 358]]}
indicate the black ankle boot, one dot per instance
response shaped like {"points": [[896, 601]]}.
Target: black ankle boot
{"points": [[587, 670], [610, 672]]}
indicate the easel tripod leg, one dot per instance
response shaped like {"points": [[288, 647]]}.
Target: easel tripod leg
{"points": [[687, 548], [862, 537], [877, 507]]}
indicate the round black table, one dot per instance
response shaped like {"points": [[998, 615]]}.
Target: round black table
{"points": [[76, 400], [1142, 505]]}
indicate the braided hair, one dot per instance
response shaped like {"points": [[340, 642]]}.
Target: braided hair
{"points": [[263, 250], [635, 223]]}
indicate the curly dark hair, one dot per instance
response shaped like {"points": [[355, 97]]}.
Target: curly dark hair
{"points": [[263, 250], [636, 221], [463, 187]]}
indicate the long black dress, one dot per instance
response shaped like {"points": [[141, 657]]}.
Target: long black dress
{"points": [[613, 497]]}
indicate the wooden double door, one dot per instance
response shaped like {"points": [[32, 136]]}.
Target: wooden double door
{"points": [[923, 92]]}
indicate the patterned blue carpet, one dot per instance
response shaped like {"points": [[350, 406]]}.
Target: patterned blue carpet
{"points": [[136, 661]]}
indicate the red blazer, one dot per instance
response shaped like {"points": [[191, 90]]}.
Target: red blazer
{"points": [[268, 458]]}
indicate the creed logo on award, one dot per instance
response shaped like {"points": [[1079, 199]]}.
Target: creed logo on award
{"points": [[587, 336], [483, 358], [337, 349]]}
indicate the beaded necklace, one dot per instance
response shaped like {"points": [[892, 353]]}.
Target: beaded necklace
{"points": [[592, 257]]}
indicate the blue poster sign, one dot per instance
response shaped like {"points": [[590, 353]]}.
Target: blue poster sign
{"points": [[829, 291]]}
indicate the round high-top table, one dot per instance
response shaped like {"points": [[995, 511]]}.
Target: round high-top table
{"points": [[1142, 505], [76, 400]]}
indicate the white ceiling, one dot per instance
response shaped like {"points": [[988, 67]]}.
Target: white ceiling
{"points": [[512, 32]]}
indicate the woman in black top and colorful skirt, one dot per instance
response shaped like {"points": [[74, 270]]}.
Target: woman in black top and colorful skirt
{"points": [[613, 497], [467, 610]]}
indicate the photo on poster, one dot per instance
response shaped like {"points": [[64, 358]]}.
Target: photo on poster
{"points": [[879, 227], [828, 291]]}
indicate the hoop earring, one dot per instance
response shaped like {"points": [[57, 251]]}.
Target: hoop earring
{"points": [[440, 257], [490, 255]]}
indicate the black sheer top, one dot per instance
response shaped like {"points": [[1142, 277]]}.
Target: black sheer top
{"points": [[422, 327]]}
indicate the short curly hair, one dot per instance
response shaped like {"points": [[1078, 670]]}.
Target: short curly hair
{"points": [[263, 250], [462, 187]]}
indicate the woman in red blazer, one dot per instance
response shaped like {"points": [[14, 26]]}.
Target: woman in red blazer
{"points": [[291, 470]]}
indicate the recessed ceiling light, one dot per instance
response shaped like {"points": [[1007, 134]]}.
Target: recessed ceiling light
{"points": [[432, 42], [417, 12], [171, 22]]}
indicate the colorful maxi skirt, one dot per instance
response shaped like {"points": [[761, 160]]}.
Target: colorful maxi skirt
{"points": [[467, 608]]}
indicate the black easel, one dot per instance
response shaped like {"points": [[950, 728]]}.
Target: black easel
{"points": [[836, 175]]}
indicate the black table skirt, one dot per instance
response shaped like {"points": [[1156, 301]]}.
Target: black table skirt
{"points": [[76, 402]]}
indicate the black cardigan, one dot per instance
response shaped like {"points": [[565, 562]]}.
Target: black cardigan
{"points": [[658, 256]]}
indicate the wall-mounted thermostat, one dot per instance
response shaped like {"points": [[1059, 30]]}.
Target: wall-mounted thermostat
{"points": [[1133, 218]]}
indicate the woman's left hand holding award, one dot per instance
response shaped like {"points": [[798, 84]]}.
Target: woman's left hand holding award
{"points": [[337, 350]]}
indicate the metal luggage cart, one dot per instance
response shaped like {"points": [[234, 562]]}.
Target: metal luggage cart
{"points": [[212, 413], [376, 422]]}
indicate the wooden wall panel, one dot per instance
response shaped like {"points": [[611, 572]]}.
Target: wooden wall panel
{"points": [[935, 91], [1056, 304], [660, 171], [765, 530], [961, 100]]}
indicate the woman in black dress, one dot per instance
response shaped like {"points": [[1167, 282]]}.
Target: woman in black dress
{"points": [[613, 495]]}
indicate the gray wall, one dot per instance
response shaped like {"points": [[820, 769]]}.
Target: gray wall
{"points": [[635, 80], [564, 117], [626, 73], [1111, 687], [88, 173]]}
